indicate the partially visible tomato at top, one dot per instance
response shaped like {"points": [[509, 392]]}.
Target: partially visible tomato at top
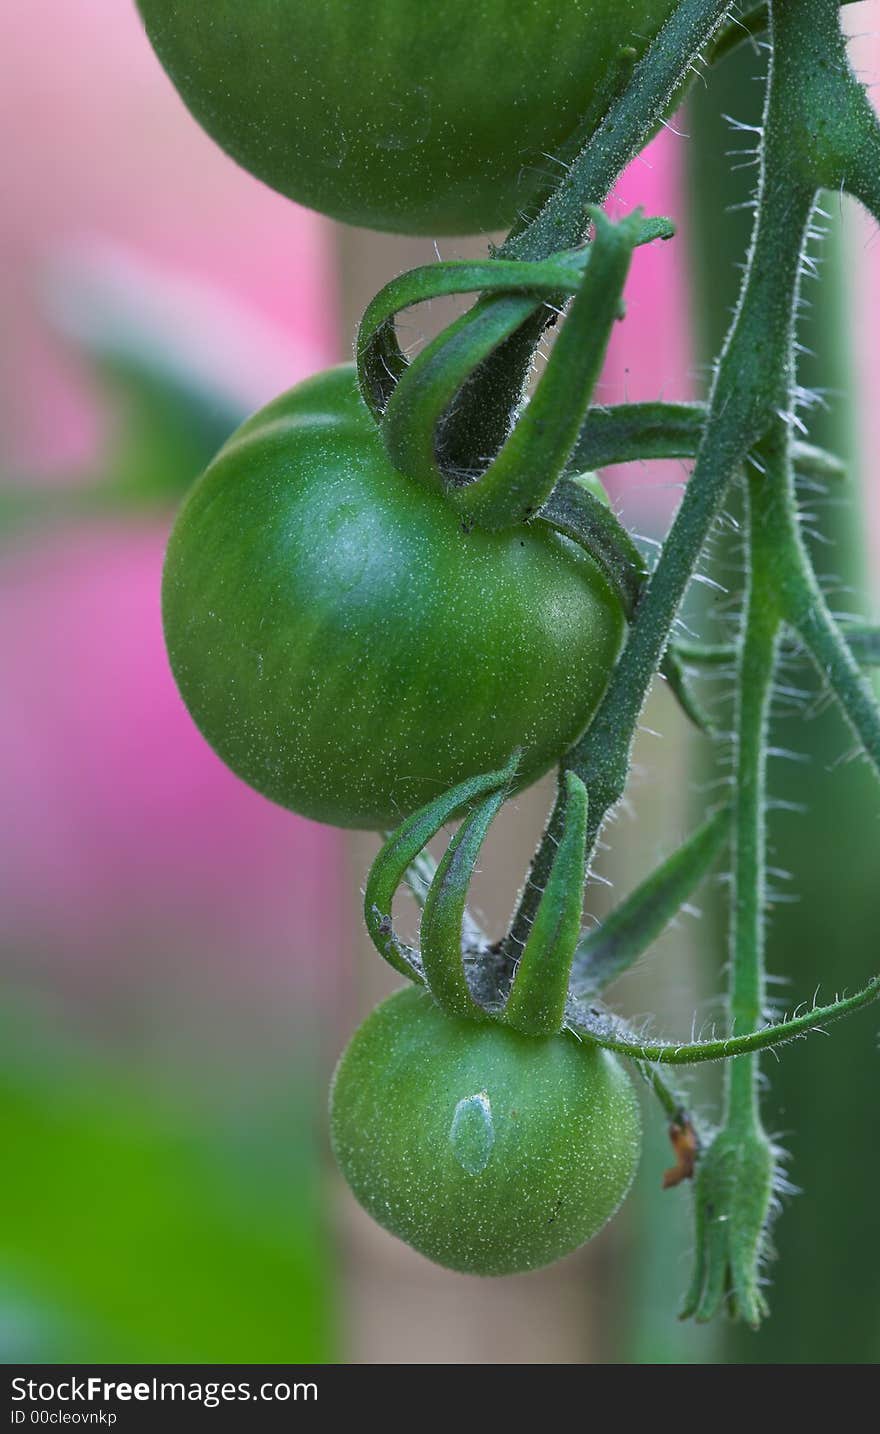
{"points": [[415, 116]]}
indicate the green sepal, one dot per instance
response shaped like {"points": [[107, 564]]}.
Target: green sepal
{"points": [[402, 849], [604, 954], [418, 877], [574, 509], [537, 1000], [414, 399], [444, 911], [428, 388], [380, 360], [524, 472]]}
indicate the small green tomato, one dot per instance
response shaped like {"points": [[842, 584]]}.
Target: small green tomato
{"points": [[490, 1152]]}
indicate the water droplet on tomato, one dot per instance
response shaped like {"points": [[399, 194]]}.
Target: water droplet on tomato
{"points": [[472, 1132]]}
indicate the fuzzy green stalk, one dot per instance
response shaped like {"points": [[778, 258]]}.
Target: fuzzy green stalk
{"points": [[752, 384], [734, 1190], [482, 418], [824, 1309]]}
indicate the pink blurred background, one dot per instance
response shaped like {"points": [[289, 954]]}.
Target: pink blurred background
{"points": [[126, 833], [158, 904]]}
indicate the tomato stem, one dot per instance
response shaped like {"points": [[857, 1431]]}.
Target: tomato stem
{"points": [[632, 116], [751, 411], [621, 133], [752, 382], [757, 660]]}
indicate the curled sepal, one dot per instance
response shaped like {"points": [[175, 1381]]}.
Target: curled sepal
{"points": [[613, 1034], [734, 1202], [418, 877], [537, 1000], [525, 469], [380, 360], [574, 509], [444, 912], [604, 954], [400, 852], [428, 387]]}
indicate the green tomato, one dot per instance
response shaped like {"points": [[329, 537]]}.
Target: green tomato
{"points": [[345, 646], [488, 1151], [405, 115]]}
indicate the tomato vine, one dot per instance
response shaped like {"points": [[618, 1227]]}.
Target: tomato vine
{"points": [[750, 422], [453, 422]]}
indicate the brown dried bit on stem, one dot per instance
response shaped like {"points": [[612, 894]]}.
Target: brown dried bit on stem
{"points": [[686, 1146]]}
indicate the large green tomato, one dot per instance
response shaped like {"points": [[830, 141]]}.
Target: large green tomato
{"points": [[488, 1151], [419, 116], [345, 647]]}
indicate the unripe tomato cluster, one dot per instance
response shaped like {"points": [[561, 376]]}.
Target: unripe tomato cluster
{"points": [[345, 644]]}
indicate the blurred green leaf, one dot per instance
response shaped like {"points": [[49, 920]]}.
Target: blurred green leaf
{"points": [[135, 1231]]}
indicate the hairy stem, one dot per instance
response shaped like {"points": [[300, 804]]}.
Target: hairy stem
{"points": [[481, 421], [761, 627], [751, 386], [623, 131]]}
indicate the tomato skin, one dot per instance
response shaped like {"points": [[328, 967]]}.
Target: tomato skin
{"points": [[488, 1151], [396, 114], [345, 647]]}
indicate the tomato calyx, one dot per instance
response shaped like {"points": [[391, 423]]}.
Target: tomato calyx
{"points": [[451, 962], [556, 981], [535, 476], [412, 401]]}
